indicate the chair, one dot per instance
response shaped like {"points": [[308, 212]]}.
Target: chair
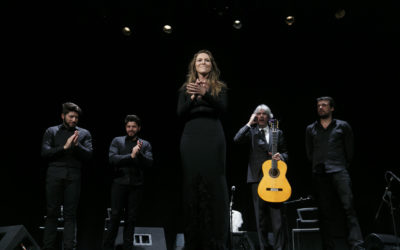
{"points": [[306, 225], [60, 226]]}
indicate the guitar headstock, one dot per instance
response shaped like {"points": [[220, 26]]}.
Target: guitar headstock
{"points": [[274, 124]]}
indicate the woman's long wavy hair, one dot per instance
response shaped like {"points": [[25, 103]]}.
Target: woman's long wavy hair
{"points": [[213, 76]]}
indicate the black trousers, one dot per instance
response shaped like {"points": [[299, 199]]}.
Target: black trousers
{"points": [[328, 185], [125, 200], [61, 190], [268, 215]]}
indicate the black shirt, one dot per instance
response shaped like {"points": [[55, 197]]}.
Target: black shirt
{"points": [[207, 106], [129, 171], [331, 149], [53, 150]]}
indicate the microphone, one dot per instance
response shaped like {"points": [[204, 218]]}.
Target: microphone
{"points": [[393, 176], [232, 189]]}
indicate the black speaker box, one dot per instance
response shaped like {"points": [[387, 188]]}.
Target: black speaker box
{"points": [[145, 238], [16, 237], [240, 241], [382, 242]]}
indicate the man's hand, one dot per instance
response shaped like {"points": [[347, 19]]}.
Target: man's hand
{"points": [[72, 140], [136, 149], [276, 157], [252, 120]]}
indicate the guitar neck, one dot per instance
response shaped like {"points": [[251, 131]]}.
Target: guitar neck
{"points": [[274, 147]]}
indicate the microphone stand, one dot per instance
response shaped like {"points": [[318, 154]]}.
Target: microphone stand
{"points": [[385, 194], [230, 219], [393, 220], [388, 194], [393, 176]]}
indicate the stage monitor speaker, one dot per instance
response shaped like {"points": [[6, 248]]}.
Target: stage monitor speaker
{"points": [[16, 237], [382, 242], [145, 238], [240, 241]]}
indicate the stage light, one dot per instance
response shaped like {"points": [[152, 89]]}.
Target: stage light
{"points": [[340, 13], [289, 20], [167, 29], [237, 24], [126, 31]]}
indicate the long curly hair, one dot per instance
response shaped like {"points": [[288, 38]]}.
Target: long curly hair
{"points": [[216, 85]]}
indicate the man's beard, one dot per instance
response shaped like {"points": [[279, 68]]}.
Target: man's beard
{"points": [[324, 116], [68, 126], [132, 135]]}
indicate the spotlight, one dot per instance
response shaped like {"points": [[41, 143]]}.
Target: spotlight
{"points": [[126, 31], [289, 20], [237, 24], [167, 29], [340, 13]]}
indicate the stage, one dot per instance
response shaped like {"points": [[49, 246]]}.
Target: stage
{"points": [[57, 52]]}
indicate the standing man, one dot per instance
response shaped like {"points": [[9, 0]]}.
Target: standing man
{"points": [[129, 155], [256, 133], [330, 147], [66, 147]]}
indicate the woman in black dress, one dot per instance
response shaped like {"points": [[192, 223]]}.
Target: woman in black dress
{"points": [[202, 100]]}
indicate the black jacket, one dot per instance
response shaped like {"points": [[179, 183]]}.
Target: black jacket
{"points": [[129, 171], [258, 151]]}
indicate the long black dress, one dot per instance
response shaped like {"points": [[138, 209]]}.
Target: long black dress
{"points": [[203, 154]]}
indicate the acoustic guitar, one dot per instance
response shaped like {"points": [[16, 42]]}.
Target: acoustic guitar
{"points": [[274, 187]]}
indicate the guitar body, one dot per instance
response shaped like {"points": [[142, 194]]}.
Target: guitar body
{"points": [[274, 187]]}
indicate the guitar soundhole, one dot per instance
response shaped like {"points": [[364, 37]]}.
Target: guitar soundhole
{"points": [[274, 172]]}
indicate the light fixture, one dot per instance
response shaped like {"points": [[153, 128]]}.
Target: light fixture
{"points": [[167, 29], [126, 31], [340, 13], [237, 24], [289, 20]]}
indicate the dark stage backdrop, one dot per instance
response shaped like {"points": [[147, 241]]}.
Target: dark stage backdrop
{"points": [[76, 54]]}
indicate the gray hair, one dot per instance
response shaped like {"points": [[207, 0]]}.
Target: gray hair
{"points": [[266, 109]]}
